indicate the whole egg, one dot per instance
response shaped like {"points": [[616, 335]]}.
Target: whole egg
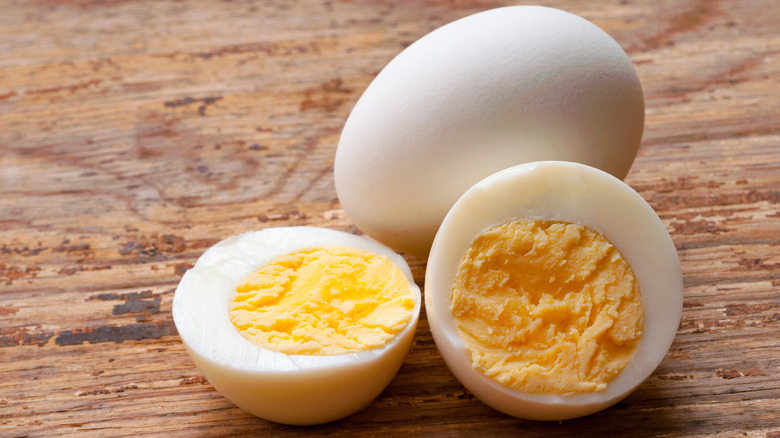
{"points": [[483, 93], [297, 389], [570, 193]]}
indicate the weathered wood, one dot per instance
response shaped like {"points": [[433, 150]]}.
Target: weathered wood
{"points": [[135, 134]]}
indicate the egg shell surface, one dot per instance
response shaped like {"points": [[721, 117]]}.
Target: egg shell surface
{"points": [[566, 192], [289, 389], [492, 90]]}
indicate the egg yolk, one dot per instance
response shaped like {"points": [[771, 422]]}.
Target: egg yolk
{"points": [[547, 307], [323, 301]]}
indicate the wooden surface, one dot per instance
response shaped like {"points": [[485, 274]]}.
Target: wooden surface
{"points": [[135, 134]]}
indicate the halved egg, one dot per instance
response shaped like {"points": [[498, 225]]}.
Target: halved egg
{"points": [[552, 290], [298, 325]]}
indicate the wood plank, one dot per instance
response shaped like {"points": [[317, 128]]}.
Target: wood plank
{"points": [[136, 134]]}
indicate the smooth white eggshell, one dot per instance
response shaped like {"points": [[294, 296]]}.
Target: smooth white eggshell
{"points": [[568, 192], [483, 93], [290, 389]]}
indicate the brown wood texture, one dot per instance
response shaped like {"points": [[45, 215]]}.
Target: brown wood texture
{"points": [[135, 134]]}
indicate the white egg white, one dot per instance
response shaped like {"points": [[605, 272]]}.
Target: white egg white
{"points": [[290, 389], [492, 90], [569, 192]]}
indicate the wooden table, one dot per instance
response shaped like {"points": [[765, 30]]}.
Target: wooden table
{"points": [[135, 134]]}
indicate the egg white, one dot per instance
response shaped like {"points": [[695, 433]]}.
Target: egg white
{"points": [[290, 389], [569, 192]]}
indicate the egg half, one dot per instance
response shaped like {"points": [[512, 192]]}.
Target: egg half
{"points": [[297, 389], [492, 90], [568, 193]]}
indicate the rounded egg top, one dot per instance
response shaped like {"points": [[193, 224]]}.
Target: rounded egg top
{"points": [[483, 93]]}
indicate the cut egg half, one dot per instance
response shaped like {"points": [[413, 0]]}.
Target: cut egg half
{"points": [[564, 193], [298, 389]]}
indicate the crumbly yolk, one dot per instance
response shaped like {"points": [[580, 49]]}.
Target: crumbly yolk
{"points": [[547, 307], [323, 301]]}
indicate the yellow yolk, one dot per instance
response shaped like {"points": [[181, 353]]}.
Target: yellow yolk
{"points": [[547, 307], [323, 301]]}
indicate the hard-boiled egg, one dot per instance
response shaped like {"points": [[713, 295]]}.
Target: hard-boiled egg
{"points": [[330, 335], [553, 382], [489, 91]]}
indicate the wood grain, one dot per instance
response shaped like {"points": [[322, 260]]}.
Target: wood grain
{"points": [[135, 134]]}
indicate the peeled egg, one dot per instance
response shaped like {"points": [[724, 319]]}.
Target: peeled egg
{"points": [[570, 193], [297, 389], [492, 90]]}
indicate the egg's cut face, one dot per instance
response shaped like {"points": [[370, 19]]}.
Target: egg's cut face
{"points": [[489, 91], [547, 307], [336, 314], [323, 301], [552, 290]]}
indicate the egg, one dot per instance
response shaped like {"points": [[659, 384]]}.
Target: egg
{"points": [[297, 374], [492, 90], [562, 199]]}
